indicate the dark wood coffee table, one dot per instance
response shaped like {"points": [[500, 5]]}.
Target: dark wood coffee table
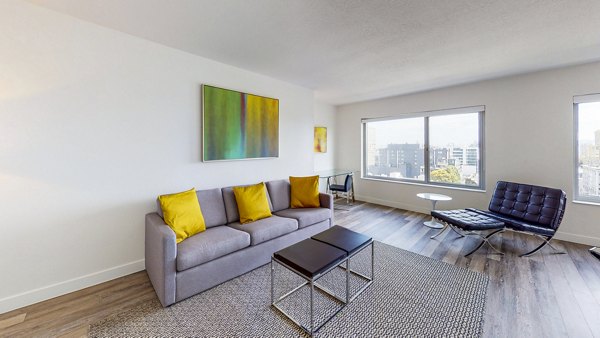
{"points": [[313, 258]]}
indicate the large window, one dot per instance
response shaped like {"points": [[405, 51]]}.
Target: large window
{"points": [[587, 148], [439, 148]]}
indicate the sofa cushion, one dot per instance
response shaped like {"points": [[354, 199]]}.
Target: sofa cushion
{"points": [[267, 228], [306, 216], [231, 207], [279, 191], [209, 245], [212, 205], [213, 208]]}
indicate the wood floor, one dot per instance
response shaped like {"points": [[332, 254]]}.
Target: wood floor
{"points": [[546, 295]]}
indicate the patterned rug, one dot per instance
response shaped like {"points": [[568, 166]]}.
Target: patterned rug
{"points": [[412, 296]]}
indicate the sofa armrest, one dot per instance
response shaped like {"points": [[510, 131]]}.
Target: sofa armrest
{"points": [[326, 201], [161, 254]]}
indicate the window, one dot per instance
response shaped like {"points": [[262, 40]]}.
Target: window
{"points": [[439, 148], [586, 110]]}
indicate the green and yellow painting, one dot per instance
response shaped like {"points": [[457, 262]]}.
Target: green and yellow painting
{"points": [[238, 125]]}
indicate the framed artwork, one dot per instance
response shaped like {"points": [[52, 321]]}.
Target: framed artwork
{"points": [[238, 126], [320, 140]]}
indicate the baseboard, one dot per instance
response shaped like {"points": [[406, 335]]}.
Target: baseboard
{"points": [[587, 240], [564, 236], [47, 292], [394, 204]]}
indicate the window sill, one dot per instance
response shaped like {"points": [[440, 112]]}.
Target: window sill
{"points": [[425, 184], [586, 202]]}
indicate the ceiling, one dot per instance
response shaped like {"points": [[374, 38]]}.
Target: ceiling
{"points": [[355, 50]]}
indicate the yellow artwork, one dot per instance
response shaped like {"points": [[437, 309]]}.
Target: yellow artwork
{"points": [[320, 139]]}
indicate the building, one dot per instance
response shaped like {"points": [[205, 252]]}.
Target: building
{"points": [[439, 157], [467, 156], [399, 161], [589, 181]]}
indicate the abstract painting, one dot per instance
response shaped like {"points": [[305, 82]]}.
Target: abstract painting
{"points": [[320, 139], [238, 126]]}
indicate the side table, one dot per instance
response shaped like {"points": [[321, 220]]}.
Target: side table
{"points": [[434, 198]]}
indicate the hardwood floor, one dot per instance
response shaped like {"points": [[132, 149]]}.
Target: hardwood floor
{"points": [[546, 295]]}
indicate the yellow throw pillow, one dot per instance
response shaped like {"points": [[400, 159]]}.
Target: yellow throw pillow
{"points": [[182, 213], [252, 202], [305, 192]]}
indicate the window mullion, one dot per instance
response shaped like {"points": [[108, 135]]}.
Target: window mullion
{"points": [[426, 150], [576, 151]]}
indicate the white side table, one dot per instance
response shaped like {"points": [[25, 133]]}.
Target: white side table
{"points": [[434, 198]]}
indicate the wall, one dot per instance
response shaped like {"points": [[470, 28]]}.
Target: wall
{"points": [[94, 124], [529, 138], [325, 117]]}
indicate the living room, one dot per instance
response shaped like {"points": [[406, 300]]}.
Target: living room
{"points": [[101, 113]]}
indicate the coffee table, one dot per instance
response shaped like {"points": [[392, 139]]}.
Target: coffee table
{"points": [[313, 258], [352, 243]]}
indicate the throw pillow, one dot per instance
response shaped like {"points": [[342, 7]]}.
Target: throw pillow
{"points": [[252, 202], [305, 192], [182, 213]]}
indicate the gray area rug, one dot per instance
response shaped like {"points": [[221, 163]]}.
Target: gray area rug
{"points": [[412, 296]]}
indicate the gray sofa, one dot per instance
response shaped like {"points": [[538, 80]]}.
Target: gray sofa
{"points": [[227, 248]]}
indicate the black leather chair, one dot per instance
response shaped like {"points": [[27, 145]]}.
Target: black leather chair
{"points": [[347, 188], [530, 209]]}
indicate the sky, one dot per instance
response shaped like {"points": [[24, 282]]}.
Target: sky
{"points": [[460, 130], [589, 120]]}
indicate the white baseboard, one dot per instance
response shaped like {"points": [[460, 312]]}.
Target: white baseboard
{"points": [[394, 204], [569, 237], [563, 236], [44, 293]]}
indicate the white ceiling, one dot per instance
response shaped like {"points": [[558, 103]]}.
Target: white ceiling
{"points": [[353, 50]]}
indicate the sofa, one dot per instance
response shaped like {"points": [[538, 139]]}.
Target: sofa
{"points": [[226, 249]]}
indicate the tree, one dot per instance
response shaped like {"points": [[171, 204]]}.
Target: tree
{"points": [[447, 175]]}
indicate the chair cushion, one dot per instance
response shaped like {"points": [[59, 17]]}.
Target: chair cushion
{"points": [[518, 224], [267, 228], [535, 205], [337, 187], [306, 216], [469, 220], [209, 245], [279, 191]]}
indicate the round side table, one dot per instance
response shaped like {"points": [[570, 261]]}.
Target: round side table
{"points": [[434, 198]]}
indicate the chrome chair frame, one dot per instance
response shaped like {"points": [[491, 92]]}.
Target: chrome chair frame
{"points": [[485, 239]]}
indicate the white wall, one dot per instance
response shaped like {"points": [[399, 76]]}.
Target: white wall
{"points": [[529, 138], [94, 124], [325, 117]]}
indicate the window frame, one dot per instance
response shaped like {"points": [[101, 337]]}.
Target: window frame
{"points": [[579, 99], [480, 110]]}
